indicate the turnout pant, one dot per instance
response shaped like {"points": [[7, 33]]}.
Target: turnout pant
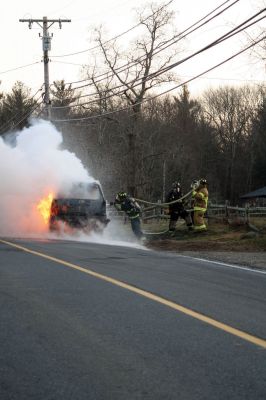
{"points": [[174, 217], [136, 227], [198, 218]]}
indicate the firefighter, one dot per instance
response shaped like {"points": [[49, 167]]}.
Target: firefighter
{"points": [[194, 185], [123, 202], [177, 209], [200, 195]]}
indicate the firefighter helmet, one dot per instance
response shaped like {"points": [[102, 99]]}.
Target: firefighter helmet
{"points": [[176, 185], [203, 182], [121, 196]]}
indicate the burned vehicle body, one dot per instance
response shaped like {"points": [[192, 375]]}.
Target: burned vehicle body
{"points": [[84, 207]]}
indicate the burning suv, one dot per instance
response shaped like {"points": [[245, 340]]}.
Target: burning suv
{"points": [[84, 207]]}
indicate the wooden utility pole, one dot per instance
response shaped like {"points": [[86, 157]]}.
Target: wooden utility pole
{"points": [[45, 24]]}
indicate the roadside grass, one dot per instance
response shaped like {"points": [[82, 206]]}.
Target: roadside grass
{"points": [[259, 222], [220, 236]]}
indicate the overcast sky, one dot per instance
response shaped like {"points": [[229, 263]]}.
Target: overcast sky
{"points": [[21, 46]]}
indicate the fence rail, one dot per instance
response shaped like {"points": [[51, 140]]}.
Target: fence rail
{"points": [[214, 211], [242, 214]]}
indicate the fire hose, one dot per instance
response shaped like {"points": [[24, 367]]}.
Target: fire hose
{"points": [[163, 205]]}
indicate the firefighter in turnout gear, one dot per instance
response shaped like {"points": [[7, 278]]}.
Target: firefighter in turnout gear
{"points": [[123, 202], [200, 195], [177, 209]]}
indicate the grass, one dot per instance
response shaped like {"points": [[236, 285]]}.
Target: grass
{"points": [[219, 237]]}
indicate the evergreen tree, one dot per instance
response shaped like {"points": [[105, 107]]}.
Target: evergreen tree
{"points": [[16, 108], [62, 96]]}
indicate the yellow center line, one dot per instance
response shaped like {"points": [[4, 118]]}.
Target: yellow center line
{"points": [[219, 325]]}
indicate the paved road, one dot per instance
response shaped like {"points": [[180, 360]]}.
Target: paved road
{"points": [[90, 321]]}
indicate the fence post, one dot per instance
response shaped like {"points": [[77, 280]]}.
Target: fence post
{"points": [[226, 210], [247, 214], [158, 209]]}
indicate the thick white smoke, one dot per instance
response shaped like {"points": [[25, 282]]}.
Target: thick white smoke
{"points": [[30, 169], [32, 165]]}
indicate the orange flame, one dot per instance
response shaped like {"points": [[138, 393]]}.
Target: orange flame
{"points": [[44, 207]]}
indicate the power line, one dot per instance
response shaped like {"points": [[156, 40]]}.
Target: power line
{"points": [[221, 39], [7, 123], [225, 79], [165, 45], [22, 66], [136, 62], [166, 91], [25, 116], [67, 63], [115, 37], [113, 7]]}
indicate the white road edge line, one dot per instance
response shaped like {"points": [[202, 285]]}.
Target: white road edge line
{"points": [[235, 266]]}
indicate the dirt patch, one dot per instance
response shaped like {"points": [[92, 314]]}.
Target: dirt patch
{"points": [[211, 245]]}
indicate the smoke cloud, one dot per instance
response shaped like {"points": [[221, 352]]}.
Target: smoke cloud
{"points": [[32, 166]]}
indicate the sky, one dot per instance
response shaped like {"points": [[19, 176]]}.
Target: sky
{"points": [[21, 46]]}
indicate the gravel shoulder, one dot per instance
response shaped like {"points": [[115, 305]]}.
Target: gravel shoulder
{"points": [[235, 246]]}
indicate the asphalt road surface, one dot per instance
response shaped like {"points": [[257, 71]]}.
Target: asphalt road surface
{"points": [[91, 321]]}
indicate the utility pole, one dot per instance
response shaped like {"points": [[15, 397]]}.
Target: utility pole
{"points": [[45, 24]]}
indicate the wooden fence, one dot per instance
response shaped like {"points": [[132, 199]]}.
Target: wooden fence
{"points": [[220, 212], [240, 214]]}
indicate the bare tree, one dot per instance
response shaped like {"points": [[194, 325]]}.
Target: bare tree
{"points": [[133, 73], [231, 111], [258, 168], [258, 52]]}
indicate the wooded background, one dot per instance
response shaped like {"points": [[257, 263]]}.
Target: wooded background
{"points": [[131, 138]]}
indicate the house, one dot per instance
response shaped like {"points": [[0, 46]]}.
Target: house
{"points": [[257, 198]]}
